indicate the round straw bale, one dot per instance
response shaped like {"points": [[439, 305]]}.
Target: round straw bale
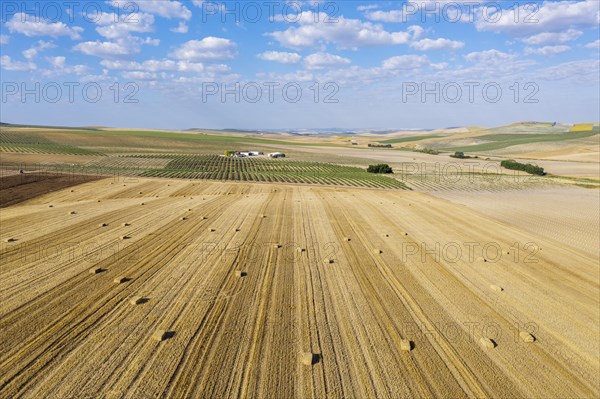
{"points": [[526, 337], [308, 358], [487, 343]]}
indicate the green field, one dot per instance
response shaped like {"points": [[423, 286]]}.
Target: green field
{"points": [[157, 154], [19, 142], [499, 141], [411, 138], [199, 137], [215, 167]]}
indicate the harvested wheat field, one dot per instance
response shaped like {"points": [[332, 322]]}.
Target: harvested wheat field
{"points": [[418, 297]]}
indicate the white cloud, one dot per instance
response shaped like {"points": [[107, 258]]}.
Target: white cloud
{"points": [[546, 50], [584, 71], [323, 60], [30, 25], [149, 65], [451, 10], [32, 52], [120, 48], [209, 48], [106, 49], [97, 78], [166, 65], [280, 56], [154, 65], [296, 76], [185, 66], [8, 64], [181, 28], [164, 8], [345, 33], [593, 45], [152, 42], [114, 27], [407, 62], [367, 7], [553, 37], [60, 67], [551, 16], [139, 75], [197, 3], [436, 44], [386, 16], [489, 65], [4, 39], [489, 57], [57, 62]]}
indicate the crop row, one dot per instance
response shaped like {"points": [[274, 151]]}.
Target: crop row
{"points": [[12, 137], [213, 167], [45, 149], [27, 143], [276, 178]]}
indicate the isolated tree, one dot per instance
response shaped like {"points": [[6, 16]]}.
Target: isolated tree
{"points": [[380, 168]]}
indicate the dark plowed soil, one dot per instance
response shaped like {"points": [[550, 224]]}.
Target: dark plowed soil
{"points": [[22, 187]]}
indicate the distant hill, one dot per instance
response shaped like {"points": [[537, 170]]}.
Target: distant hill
{"points": [[4, 124]]}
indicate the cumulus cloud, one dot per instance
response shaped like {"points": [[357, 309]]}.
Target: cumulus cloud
{"points": [[105, 49], [550, 16], [281, 57], [584, 70], [451, 10], [116, 49], [593, 45], [121, 47], [111, 26], [139, 75], [60, 67], [345, 33], [489, 57], [154, 65], [367, 7], [546, 50], [207, 49], [152, 42], [546, 38], [181, 28], [322, 60], [437, 44], [9, 64], [165, 8], [30, 25], [406, 62], [489, 64], [386, 16], [168, 71], [32, 52]]}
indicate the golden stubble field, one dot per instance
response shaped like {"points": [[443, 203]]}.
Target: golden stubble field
{"points": [[244, 279]]}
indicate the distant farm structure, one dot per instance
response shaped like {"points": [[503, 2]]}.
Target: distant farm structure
{"points": [[243, 154], [377, 145], [247, 154]]}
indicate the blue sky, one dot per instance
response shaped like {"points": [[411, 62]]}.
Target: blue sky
{"points": [[401, 64]]}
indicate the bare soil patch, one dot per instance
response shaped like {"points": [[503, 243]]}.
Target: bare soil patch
{"points": [[22, 187]]}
